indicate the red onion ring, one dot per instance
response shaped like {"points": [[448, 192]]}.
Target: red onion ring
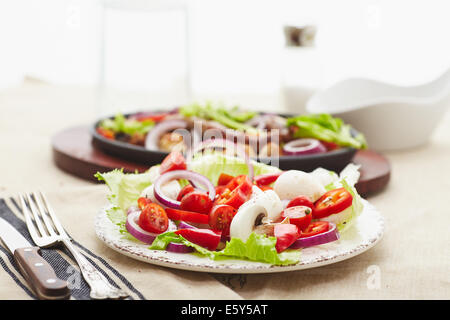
{"points": [[133, 209], [151, 141], [225, 144], [178, 248], [136, 231], [180, 174], [303, 146], [184, 225], [331, 235]]}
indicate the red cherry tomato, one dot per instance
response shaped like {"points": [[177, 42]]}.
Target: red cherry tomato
{"points": [[301, 201], [153, 218], [265, 188], [334, 201], [329, 145], [224, 179], [196, 201], [142, 202], [219, 191], [174, 161], [286, 235], [220, 218], [187, 216], [301, 216], [203, 237], [108, 134], [184, 191], [266, 179], [316, 227]]}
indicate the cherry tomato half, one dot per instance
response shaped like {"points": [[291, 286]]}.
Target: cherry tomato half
{"points": [[142, 202], [184, 191], [187, 216], [220, 190], [301, 201], [174, 161], [316, 227], [220, 218], [224, 179], [108, 134], [153, 218], [265, 188], [286, 235], [196, 201], [334, 201], [329, 145], [203, 237], [301, 216]]}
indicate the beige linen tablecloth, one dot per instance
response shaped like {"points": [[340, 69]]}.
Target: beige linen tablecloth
{"points": [[412, 261]]}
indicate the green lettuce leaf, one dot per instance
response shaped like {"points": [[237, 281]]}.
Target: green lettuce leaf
{"points": [[230, 117], [125, 189], [258, 247], [324, 127], [120, 124], [213, 164]]}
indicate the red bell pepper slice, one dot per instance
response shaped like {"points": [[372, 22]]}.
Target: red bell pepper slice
{"points": [[187, 216], [205, 238]]}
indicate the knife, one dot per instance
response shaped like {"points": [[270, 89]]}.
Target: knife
{"points": [[35, 269]]}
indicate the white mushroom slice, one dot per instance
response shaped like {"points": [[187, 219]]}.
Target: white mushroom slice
{"points": [[245, 220], [256, 191], [269, 199], [264, 206], [294, 183], [273, 204]]}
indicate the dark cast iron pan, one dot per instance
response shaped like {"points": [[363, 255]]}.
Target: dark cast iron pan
{"points": [[334, 160]]}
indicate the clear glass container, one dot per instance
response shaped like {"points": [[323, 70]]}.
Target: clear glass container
{"points": [[300, 68]]}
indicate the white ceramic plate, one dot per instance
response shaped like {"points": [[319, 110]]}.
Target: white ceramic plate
{"points": [[364, 234]]}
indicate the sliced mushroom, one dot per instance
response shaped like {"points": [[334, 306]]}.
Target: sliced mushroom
{"points": [[243, 223], [264, 206], [268, 228], [172, 141]]}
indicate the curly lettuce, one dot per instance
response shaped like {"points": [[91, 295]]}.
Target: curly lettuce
{"points": [[327, 128], [258, 247]]}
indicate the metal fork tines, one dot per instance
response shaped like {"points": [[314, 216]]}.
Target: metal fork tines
{"points": [[46, 231]]}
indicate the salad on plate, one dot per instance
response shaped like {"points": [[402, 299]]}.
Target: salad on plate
{"points": [[227, 206], [261, 134]]}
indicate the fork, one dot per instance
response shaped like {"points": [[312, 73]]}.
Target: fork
{"points": [[53, 234]]}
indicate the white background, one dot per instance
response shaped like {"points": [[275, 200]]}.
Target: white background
{"points": [[236, 47]]}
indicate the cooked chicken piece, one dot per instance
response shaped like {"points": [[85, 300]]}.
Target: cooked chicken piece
{"points": [[137, 139], [172, 141]]}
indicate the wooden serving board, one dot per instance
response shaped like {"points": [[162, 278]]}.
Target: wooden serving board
{"points": [[74, 153]]}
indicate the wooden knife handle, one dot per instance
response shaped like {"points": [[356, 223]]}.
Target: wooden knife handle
{"points": [[40, 274]]}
